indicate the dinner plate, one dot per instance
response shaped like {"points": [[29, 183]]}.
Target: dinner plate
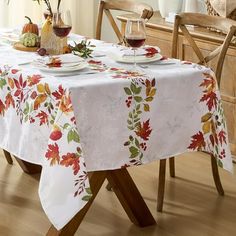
{"points": [[64, 69], [138, 59]]}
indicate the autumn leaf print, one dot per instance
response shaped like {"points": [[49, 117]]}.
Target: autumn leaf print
{"points": [[66, 105], [71, 159], [33, 80], [210, 98], [2, 108], [59, 94], [144, 130], [53, 154], [9, 101], [198, 142], [43, 116], [222, 137]]}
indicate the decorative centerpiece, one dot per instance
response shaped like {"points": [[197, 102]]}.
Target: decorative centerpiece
{"points": [[50, 40]]}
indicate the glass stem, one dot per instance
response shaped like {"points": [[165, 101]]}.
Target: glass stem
{"points": [[61, 46], [135, 65]]}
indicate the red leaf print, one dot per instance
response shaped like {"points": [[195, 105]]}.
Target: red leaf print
{"points": [[2, 108], [14, 71], [211, 99], [93, 62], [144, 131], [198, 142], [9, 101], [151, 51], [43, 116], [34, 79], [71, 159], [53, 154], [60, 93], [222, 137], [34, 95]]}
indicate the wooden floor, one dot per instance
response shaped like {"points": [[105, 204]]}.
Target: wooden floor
{"points": [[191, 207]]}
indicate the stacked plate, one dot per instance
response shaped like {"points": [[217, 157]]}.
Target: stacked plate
{"points": [[64, 64]]}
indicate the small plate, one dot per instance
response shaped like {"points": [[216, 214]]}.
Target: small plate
{"points": [[65, 69], [138, 59]]}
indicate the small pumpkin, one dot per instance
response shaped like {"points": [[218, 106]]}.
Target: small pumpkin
{"points": [[30, 27]]}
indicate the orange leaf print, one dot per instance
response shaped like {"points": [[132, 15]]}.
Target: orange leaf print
{"points": [[144, 131], [47, 89], [9, 101], [66, 105], [40, 99], [35, 79], [2, 108], [71, 159], [53, 154]]}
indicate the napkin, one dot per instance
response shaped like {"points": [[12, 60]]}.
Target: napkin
{"points": [[65, 60], [147, 51]]}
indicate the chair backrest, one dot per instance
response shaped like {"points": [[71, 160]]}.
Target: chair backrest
{"points": [[142, 9], [227, 26]]}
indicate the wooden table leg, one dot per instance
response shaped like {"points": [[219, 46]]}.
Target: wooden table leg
{"points": [[27, 167], [127, 193], [8, 157], [96, 181], [130, 198]]}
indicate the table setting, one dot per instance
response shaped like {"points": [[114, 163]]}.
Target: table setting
{"points": [[105, 111]]}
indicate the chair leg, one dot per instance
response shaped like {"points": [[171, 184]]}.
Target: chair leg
{"points": [[216, 176], [8, 157], [172, 166], [161, 185]]}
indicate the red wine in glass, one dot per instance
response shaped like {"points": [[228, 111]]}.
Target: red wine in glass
{"points": [[135, 34], [61, 30], [135, 42]]}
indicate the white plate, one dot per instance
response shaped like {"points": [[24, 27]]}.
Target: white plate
{"points": [[65, 69], [138, 59]]}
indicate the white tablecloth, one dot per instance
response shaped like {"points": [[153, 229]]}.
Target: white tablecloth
{"points": [[107, 120]]}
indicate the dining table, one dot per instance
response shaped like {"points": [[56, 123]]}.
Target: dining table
{"points": [[92, 123]]}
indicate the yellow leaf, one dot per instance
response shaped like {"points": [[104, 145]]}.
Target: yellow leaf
{"points": [[11, 83], [149, 99], [206, 117], [152, 92], [148, 89], [40, 99], [40, 88], [47, 89], [146, 107], [206, 127]]}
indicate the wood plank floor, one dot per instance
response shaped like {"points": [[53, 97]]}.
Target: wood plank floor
{"points": [[191, 207]]}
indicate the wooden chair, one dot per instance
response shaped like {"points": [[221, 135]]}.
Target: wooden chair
{"points": [[224, 25], [142, 9]]}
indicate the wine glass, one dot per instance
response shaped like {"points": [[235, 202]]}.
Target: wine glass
{"points": [[135, 34], [62, 24]]}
